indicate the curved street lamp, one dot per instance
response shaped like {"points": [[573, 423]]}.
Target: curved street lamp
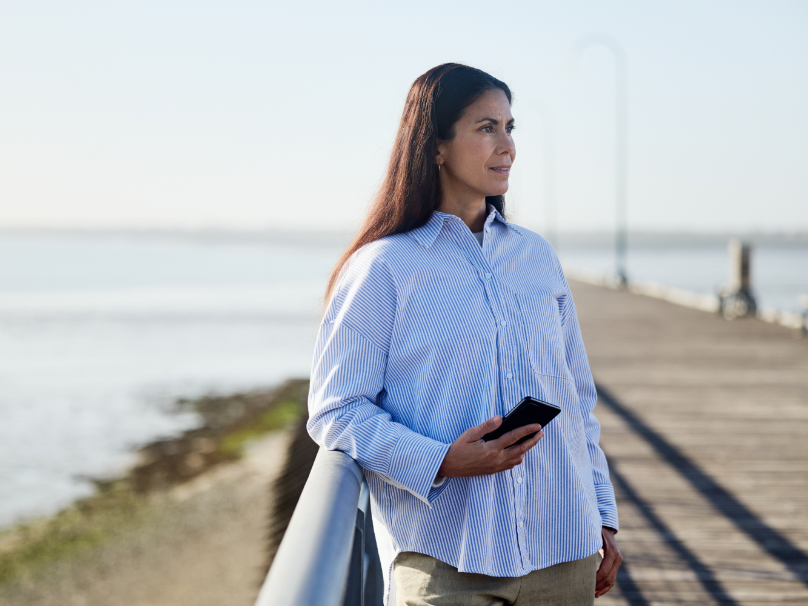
{"points": [[621, 139]]}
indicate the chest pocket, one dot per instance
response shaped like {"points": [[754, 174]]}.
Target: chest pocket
{"points": [[541, 333]]}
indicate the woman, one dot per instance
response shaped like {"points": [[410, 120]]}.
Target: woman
{"points": [[440, 317]]}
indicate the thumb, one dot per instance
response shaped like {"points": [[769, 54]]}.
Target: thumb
{"points": [[478, 431]]}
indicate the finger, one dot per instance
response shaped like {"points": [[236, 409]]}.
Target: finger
{"points": [[478, 431], [508, 465], [528, 444], [516, 454], [606, 566], [510, 438], [607, 580], [605, 585], [601, 592], [515, 435], [513, 459]]}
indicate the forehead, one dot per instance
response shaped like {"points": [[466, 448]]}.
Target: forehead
{"points": [[491, 104]]}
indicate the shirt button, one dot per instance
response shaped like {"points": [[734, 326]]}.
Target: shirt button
{"points": [[519, 479], [503, 322], [509, 375], [488, 276]]}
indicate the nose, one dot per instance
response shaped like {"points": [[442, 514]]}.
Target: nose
{"points": [[506, 145]]}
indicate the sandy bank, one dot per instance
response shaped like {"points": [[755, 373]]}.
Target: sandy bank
{"points": [[201, 543]]}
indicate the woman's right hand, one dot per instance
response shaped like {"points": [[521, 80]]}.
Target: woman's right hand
{"points": [[470, 455]]}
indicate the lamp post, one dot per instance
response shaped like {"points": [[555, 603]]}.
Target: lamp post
{"points": [[549, 173], [621, 140]]}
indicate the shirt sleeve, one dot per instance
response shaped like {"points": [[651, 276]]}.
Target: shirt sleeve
{"points": [[347, 380], [578, 364]]}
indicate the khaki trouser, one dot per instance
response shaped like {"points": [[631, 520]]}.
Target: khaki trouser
{"points": [[422, 580]]}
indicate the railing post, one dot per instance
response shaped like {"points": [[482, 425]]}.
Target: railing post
{"points": [[374, 581], [354, 590], [365, 582]]}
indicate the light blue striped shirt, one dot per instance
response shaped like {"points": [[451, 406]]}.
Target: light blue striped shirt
{"points": [[429, 334]]}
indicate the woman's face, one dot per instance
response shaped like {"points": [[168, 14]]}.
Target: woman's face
{"points": [[477, 162]]}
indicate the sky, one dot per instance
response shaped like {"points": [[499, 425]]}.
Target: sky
{"points": [[281, 115]]}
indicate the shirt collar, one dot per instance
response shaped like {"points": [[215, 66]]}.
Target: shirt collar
{"points": [[428, 232]]}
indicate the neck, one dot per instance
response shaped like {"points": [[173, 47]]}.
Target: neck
{"points": [[471, 209]]}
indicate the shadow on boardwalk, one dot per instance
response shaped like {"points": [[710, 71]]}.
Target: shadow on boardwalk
{"points": [[704, 424]]}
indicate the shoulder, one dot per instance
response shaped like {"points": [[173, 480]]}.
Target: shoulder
{"points": [[529, 235], [390, 255], [374, 268], [375, 257], [533, 240], [533, 248], [385, 249]]}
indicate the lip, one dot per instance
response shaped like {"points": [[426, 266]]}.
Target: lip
{"points": [[502, 170]]}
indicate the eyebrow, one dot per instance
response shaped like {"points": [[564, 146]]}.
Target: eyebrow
{"points": [[493, 121]]}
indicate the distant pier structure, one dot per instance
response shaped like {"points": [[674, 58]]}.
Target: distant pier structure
{"points": [[737, 299], [804, 303]]}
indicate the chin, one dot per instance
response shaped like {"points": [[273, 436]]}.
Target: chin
{"points": [[500, 190]]}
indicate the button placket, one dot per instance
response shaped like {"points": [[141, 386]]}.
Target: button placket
{"points": [[508, 359], [505, 345], [508, 363], [519, 508], [507, 350], [521, 542]]}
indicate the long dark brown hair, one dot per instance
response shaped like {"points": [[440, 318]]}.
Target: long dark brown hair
{"points": [[411, 189]]}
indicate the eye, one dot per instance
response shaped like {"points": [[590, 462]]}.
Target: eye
{"points": [[509, 128], [487, 128]]}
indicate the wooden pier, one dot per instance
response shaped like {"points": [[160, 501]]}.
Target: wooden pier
{"points": [[705, 424]]}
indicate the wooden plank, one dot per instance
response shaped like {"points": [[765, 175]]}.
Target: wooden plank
{"points": [[707, 439]]}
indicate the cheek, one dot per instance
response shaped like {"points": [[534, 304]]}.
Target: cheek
{"points": [[475, 159]]}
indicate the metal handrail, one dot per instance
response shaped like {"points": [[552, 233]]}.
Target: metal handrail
{"points": [[328, 555]]}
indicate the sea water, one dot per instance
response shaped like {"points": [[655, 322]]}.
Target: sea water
{"points": [[99, 335]]}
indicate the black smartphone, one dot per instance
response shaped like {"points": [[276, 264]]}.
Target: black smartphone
{"points": [[528, 411]]}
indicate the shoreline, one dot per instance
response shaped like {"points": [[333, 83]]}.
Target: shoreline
{"points": [[167, 469]]}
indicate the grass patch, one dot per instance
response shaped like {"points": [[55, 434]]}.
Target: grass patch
{"points": [[86, 523], [277, 418]]}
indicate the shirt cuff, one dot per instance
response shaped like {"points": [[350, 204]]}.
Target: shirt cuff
{"points": [[415, 463], [607, 506], [438, 482]]}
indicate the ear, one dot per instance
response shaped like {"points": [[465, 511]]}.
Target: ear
{"points": [[440, 158]]}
